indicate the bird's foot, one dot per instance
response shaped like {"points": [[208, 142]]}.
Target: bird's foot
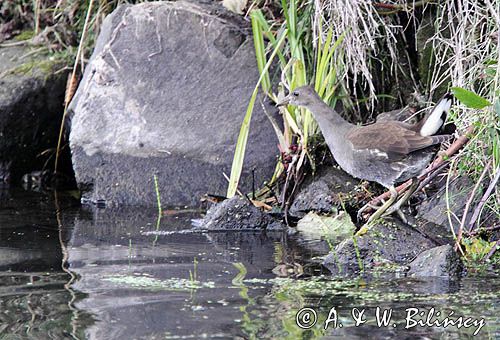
{"points": [[359, 215], [399, 212], [402, 216], [380, 211], [396, 208]]}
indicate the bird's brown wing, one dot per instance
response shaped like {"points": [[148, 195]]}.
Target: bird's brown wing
{"points": [[388, 137]]}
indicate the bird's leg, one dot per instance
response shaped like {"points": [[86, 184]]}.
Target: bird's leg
{"points": [[397, 207], [368, 205], [363, 208], [401, 216], [386, 205]]}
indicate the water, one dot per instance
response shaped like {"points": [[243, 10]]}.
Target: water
{"points": [[121, 274]]}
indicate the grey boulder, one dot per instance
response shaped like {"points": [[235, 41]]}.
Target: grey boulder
{"points": [[330, 188], [440, 261], [434, 209], [165, 94]]}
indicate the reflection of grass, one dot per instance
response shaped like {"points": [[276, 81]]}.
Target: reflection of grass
{"points": [[193, 275], [150, 283], [288, 296], [250, 325], [358, 255], [158, 198]]}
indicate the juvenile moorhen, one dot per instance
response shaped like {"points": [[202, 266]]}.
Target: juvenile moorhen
{"points": [[386, 152]]}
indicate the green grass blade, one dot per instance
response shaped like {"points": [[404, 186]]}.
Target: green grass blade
{"points": [[268, 33], [284, 6], [326, 71], [239, 153], [260, 50], [323, 54]]}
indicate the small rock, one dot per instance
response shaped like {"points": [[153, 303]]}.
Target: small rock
{"points": [[314, 226], [238, 214], [440, 261], [236, 6], [323, 192], [385, 243], [434, 209]]}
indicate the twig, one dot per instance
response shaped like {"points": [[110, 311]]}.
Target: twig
{"points": [[432, 175], [299, 176], [35, 51], [37, 16], [73, 76], [449, 213], [289, 173], [453, 149], [469, 202], [17, 43], [237, 189], [386, 6], [253, 184], [492, 251], [477, 231], [400, 7], [483, 200], [389, 9]]}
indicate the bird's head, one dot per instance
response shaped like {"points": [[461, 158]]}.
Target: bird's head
{"points": [[301, 96]]}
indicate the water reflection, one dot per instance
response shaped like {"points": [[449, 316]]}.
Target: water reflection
{"points": [[127, 276], [142, 280], [35, 299]]}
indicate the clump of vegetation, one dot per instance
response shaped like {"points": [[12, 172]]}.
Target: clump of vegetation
{"points": [[370, 55], [55, 24], [466, 54], [302, 61], [150, 283], [361, 54]]}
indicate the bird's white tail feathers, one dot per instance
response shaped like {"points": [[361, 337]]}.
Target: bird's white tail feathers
{"points": [[438, 116]]}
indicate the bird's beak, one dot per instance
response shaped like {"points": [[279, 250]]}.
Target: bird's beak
{"points": [[284, 101]]}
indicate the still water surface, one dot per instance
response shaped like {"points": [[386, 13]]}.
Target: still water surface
{"points": [[70, 272]]}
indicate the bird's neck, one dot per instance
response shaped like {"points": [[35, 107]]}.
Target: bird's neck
{"points": [[332, 125]]}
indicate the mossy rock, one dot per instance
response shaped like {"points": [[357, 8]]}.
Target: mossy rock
{"points": [[388, 244]]}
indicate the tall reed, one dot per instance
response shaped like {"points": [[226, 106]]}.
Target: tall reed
{"points": [[300, 63]]}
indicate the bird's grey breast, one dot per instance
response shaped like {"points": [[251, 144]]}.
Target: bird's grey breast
{"points": [[375, 165], [359, 163]]}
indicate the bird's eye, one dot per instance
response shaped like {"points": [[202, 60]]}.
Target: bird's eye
{"points": [[295, 94]]}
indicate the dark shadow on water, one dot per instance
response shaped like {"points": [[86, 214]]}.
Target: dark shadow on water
{"points": [[35, 299], [128, 277]]}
